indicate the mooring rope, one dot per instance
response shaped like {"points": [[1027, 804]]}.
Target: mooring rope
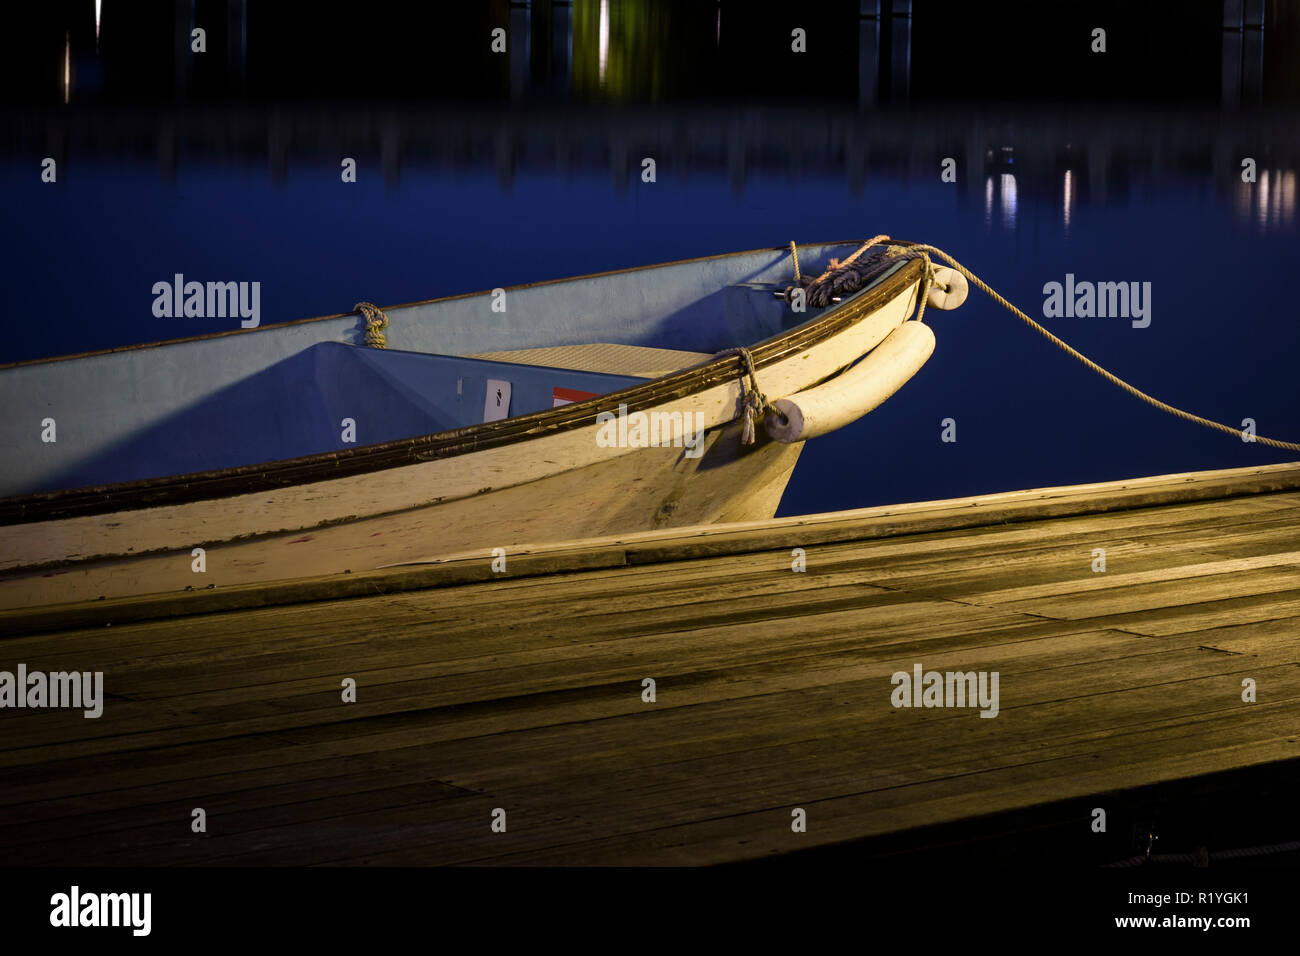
{"points": [[376, 322], [843, 277], [925, 252], [836, 265]]}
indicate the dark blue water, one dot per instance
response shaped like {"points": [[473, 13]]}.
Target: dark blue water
{"points": [[1223, 339], [478, 171]]}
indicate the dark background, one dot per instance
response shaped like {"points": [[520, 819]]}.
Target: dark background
{"points": [[1014, 50]]}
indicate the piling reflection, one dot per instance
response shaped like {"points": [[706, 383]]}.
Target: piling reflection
{"points": [[853, 108], [623, 49], [1082, 161]]}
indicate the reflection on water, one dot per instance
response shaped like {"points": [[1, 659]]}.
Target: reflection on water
{"points": [[624, 50], [1067, 202], [1268, 204], [1006, 200], [1008, 206], [1076, 160], [604, 40]]}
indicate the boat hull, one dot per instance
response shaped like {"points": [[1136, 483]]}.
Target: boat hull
{"points": [[535, 479], [653, 488]]}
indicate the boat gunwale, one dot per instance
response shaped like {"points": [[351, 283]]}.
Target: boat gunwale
{"points": [[246, 479], [160, 343]]}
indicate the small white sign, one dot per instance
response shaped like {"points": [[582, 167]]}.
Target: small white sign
{"points": [[496, 405]]}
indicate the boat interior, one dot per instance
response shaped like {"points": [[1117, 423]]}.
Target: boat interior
{"points": [[313, 386]]}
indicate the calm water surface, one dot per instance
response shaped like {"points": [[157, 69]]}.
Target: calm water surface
{"points": [[1044, 190]]}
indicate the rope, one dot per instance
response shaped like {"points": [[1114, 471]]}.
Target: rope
{"points": [[840, 278], [927, 280], [753, 401], [836, 264], [1208, 857], [926, 250], [376, 322], [794, 252]]}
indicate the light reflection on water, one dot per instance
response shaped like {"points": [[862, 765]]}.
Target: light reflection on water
{"points": [[604, 40], [1067, 201], [1008, 192], [1268, 204]]}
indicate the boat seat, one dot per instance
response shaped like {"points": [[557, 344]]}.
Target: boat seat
{"points": [[635, 360]]}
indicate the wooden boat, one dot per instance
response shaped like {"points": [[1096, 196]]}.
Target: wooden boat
{"points": [[296, 449]]}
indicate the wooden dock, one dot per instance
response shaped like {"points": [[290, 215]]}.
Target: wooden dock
{"points": [[524, 691]]}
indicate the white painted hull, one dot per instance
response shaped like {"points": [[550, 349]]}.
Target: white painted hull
{"points": [[554, 485]]}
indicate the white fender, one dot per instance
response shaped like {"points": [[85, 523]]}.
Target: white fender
{"points": [[851, 394], [949, 289]]}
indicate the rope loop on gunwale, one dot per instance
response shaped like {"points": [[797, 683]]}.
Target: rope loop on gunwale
{"points": [[376, 322], [753, 401]]}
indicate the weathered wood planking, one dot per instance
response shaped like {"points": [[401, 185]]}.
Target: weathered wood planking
{"points": [[773, 688], [692, 542]]}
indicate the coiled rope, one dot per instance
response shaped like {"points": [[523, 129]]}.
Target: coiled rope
{"points": [[376, 322], [840, 278]]}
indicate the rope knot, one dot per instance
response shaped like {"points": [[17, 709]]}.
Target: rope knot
{"points": [[376, 322], [753, 402]]}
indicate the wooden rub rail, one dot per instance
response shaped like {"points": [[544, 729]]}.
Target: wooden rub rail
{"points": [[1140, 632]]}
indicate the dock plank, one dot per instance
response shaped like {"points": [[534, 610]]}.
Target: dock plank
{"points": [[773, 688]]}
